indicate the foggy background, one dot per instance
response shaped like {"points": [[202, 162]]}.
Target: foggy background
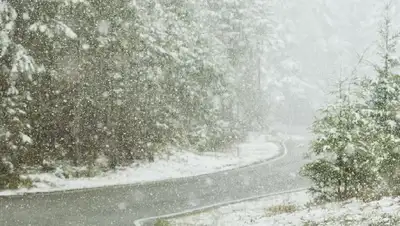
{"points": [[323, 41]]}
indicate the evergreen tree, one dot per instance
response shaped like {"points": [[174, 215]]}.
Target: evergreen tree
{"points": [[384, 101], [17, 70], [23, 58], [347, 151]]}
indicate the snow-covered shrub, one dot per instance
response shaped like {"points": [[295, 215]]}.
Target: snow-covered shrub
{"points": [[162, 222], [9, 178], [213, 136]]}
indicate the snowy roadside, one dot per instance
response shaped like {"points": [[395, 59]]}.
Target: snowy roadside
{"points": [[175, 165], [294, 209]]}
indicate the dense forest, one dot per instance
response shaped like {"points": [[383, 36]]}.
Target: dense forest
{"points": [[81, 79]]}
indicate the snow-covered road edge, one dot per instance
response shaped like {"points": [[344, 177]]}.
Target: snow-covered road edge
{"points": [[276, 154], [152, 220], [296, 208]]}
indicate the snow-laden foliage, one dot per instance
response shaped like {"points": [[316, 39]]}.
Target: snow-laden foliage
{"points": [[357, 138], [17, 67], [25, 31]]}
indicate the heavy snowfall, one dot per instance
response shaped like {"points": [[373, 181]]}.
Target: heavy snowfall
{"points": [[208, 112]]}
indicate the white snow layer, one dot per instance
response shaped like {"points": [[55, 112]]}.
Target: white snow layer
{"points": [[176, 165], [259, 213]]}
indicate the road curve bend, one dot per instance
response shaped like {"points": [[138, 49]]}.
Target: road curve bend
{"points": [[122, 205]]}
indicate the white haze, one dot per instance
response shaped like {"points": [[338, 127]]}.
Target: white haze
{"points": [[325, 39]]}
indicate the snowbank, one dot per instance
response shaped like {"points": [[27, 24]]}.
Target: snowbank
{"points": [[176, 165], [290, 209]]}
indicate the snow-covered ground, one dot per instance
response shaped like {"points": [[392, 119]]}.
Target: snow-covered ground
{"points": [[175, 165], [291, 209]]}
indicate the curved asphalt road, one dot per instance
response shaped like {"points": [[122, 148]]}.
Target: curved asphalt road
{"points": [[122, 205]]}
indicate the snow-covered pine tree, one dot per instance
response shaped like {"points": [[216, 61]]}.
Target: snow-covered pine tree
{"points": [[32, 33], [49, 37], [17, 68], [346, 165], [384, 101]]}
